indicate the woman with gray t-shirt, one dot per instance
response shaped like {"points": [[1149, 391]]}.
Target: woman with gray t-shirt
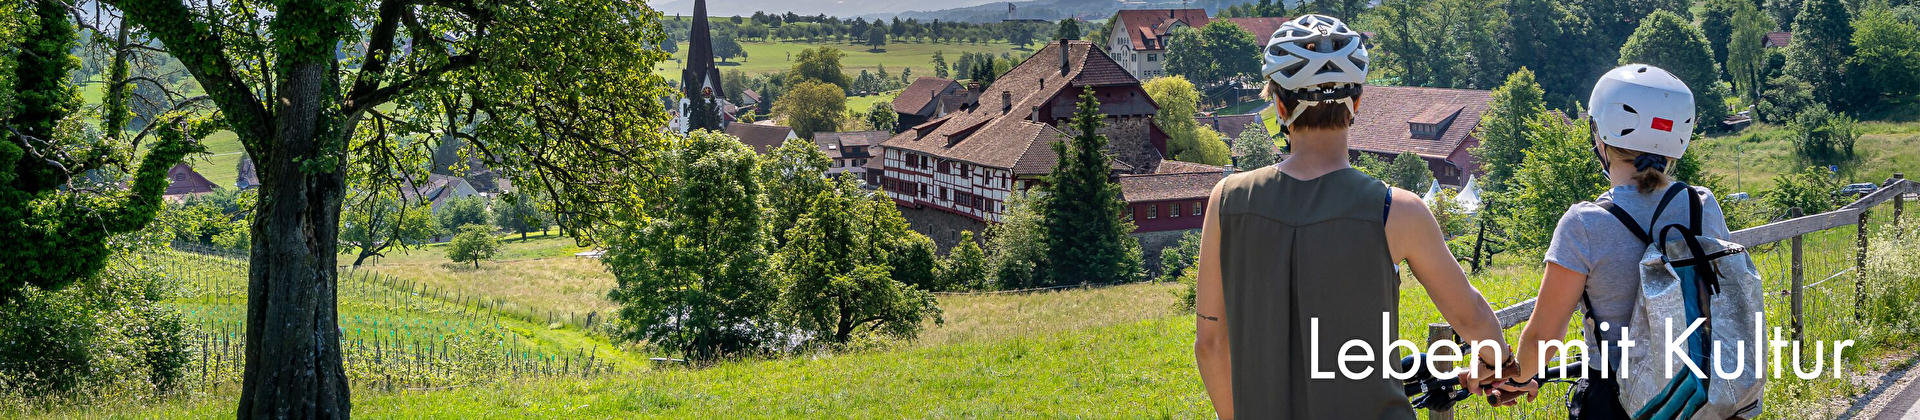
{"points": [[1642, 119]]}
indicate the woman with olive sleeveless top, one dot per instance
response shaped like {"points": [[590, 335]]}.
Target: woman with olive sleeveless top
{"points": [[1311, 241]]}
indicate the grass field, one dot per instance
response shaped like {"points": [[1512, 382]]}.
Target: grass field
{"points": [[1889, 143]]}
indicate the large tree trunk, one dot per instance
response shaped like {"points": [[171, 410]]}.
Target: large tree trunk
{"points": [[293, 368]]}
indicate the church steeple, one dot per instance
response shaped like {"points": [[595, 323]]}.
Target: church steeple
{"points": [[700, 72]]}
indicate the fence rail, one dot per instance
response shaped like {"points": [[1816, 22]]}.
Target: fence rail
{"points": [[1765, 239]]}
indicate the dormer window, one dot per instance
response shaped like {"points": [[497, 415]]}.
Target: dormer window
{"points": [[1433, 123]]}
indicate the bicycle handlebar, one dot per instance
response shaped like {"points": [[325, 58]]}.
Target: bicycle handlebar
{"points": [[1423, 387]]}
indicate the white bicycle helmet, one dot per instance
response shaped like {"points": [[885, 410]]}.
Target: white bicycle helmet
{"points": [[1319, 59], [1643, 108]]}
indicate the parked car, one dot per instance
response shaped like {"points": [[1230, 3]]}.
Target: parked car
{"points": [[1863, 188], [1739, 196]]}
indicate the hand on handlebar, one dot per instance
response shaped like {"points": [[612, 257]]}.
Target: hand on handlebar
{"points": [[1509, 390]]}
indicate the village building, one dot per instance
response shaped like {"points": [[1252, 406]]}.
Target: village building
{"points": [[1139, 37], [920, 102], [1168, 203], [957, 171], [1230, 126], [184, 182], [437, 190], [246, 175], [1777, 40], [763, 138], [1436, 124], [850, 151]]}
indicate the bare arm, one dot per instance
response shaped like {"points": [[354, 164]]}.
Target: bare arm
{"points": [[1210, 338], [1414, 236], [1560, 290]]}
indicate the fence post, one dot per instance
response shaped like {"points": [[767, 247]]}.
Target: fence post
{"points": [[1799, 279], [1860, 267], [1435, 333], [1899, 202]]}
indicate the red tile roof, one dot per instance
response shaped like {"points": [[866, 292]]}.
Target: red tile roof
{"points": [[988, 136], [915, 98], [1163, 187], [183, 180], [1778, 39], [1230, 126], [852, 138], [1146, 24], [1171, 166], [761, 137], [1262, 28], [1385, 111]]}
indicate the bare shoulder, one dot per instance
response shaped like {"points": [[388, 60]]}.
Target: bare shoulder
{"points": [[1407, 207]]}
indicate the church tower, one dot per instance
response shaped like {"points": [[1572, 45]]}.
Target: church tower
{"points": [[701, 78]]}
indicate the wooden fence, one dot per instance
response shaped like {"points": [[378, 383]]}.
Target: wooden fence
{"points": [[1765, 241]]}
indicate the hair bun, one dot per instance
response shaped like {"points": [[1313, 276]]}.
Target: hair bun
{"points": [[1650, 161]]}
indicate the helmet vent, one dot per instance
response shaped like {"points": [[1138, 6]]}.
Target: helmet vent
{"points": [[1624, 133], [1643, 69], [1689, 121], [1629, 108]]}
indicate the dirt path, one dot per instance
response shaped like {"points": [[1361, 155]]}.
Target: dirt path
{"points": [[1894, 394]]}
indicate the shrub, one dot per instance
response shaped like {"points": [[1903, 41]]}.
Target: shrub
{"points": [[1811, 190], [107, 335], [1187, 295], [459, 212], [965, 267], [1823, 136], [474, 243], [1175, 259]]}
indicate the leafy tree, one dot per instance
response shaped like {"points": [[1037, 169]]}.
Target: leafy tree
{"points": [[965, 267], [1886, 59], [474, 243], [694, 278], [462, 211], [1811, 190], [876, 38], [1667, 41], [1746, 51], [913, 258], [1560, 45], [1443, 43], [1020, 35], [818, 64], [1254, 148], [380, 221], [1822, 43], [1716, 23], [1784, 12], [1219, 52], [1069, 29], [1087, 228], [940, 65], [47, 203], [564, 85], [1557, 172], [1503, 130], [837, 275], [880, 116], [812, 107], [791, 176], [1178, 102], [519, 212], [1017, 246], [1785, 98], [1368, 163], [1408, 171], [1822, 136], [1207, 147], [725, 47]]}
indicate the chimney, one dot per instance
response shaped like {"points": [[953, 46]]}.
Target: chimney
{"points": [[1063, 57], [1006, 101], [1035, 115]]}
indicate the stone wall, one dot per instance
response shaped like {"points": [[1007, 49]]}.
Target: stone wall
{"points": [[1130, 139], [1152, 243], [942, 226]]}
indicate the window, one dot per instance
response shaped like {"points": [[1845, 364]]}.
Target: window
{"points": [[1173, 210], [1196, 208], [1153, 211], [1153, 57]]}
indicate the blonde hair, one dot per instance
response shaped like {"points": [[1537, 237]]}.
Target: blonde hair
{"points": [[1320, 116], [1650, 169]]}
